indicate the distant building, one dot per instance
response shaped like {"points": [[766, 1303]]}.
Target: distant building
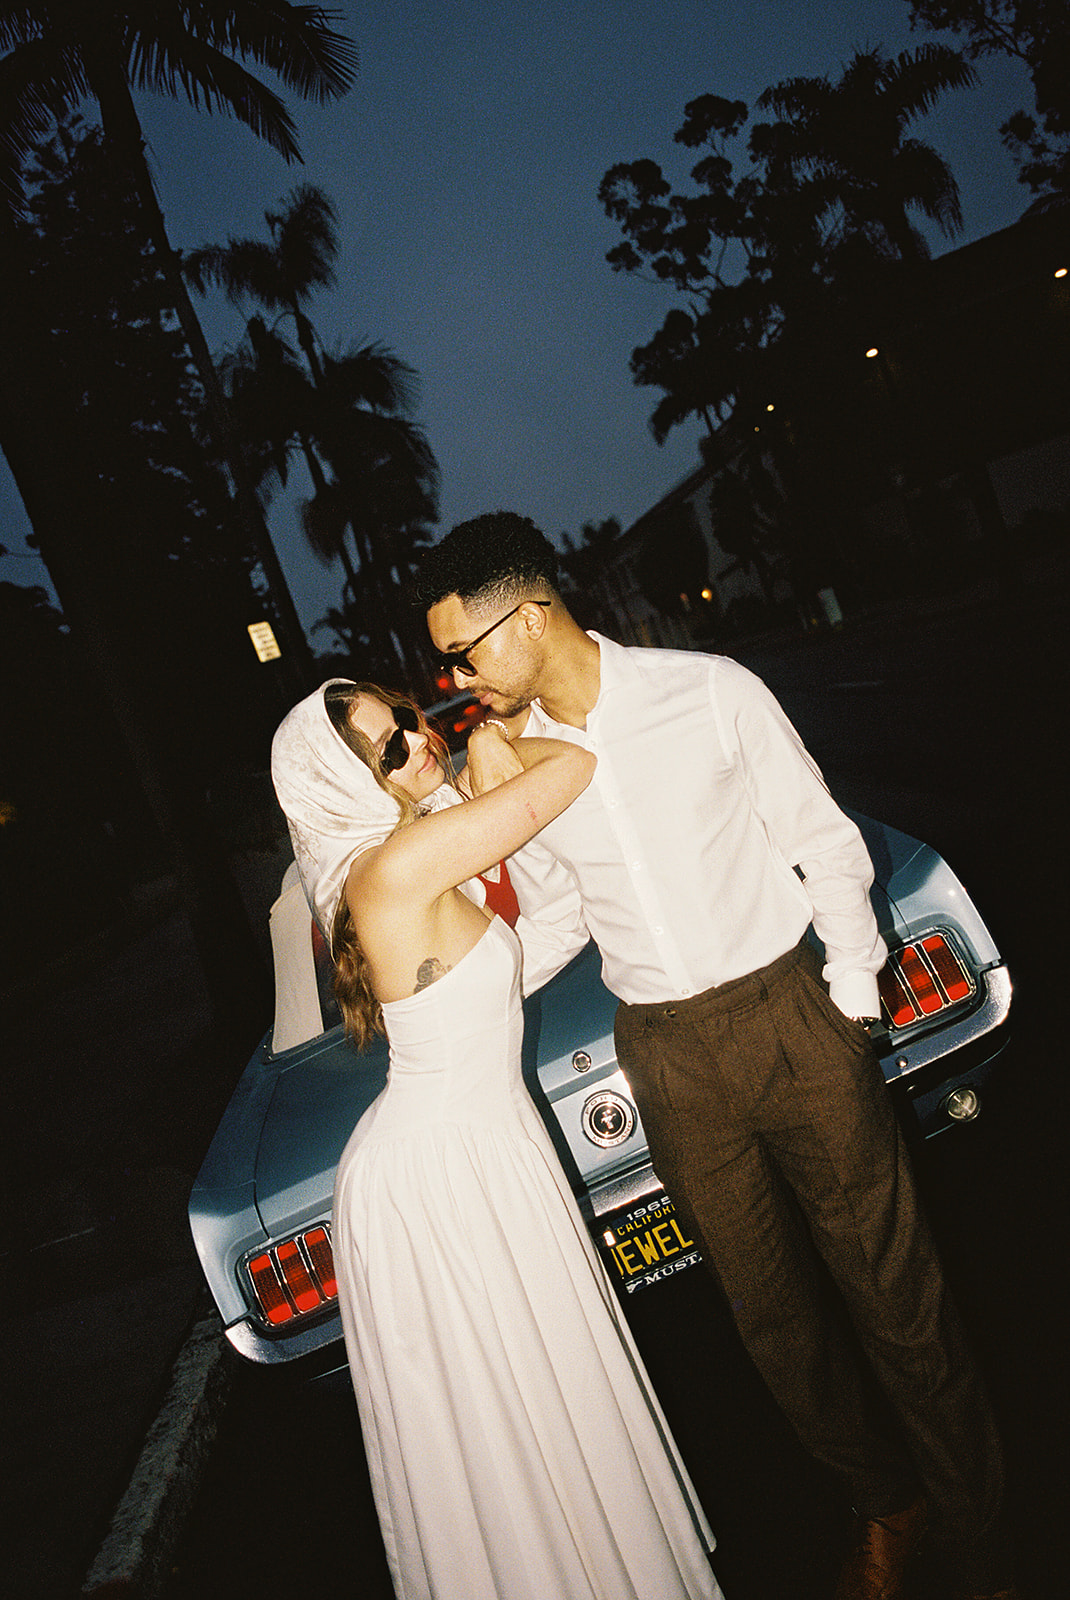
{"points": [[954, 430]]}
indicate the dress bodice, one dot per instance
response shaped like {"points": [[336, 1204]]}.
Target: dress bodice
{"points": [[455, 1046]]}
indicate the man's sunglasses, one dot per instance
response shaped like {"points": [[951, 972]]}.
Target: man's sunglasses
{"points": [[395, 751], [457, 660]]}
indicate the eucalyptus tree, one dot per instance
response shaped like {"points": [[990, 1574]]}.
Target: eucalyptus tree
{"points": [[61, 53]]}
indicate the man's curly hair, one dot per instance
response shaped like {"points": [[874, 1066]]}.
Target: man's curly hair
{"points": [[497, 557]]}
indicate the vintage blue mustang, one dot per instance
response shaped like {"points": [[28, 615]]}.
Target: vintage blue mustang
{"points": [[261, 1206]]}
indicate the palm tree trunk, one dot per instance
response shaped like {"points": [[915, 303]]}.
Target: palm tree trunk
{"points": [[308, 344], [33, 391], [123, 131]]}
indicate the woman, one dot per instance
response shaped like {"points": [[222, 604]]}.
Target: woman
{"points": [[515, 1450]]}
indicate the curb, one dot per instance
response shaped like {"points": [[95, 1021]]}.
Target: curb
{"points": [[135, 1557]]}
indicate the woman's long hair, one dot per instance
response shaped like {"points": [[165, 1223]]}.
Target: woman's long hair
{"points": [[361, 1012]]}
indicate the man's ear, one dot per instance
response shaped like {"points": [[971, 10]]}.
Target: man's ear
{"points": [[533, 617]]}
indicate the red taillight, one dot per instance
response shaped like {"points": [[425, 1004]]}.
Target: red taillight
{"points": [[274, 1302], [320, 1254], [896, 999], [921, 980], [294, 1277], [306, 1296], [956, 985]]}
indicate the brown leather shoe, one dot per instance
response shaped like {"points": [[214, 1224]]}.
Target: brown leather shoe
{"points": [[876, 1567]]}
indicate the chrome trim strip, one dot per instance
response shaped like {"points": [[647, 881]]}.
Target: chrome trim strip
{"points": [[251, 1344], [623, 1192]]}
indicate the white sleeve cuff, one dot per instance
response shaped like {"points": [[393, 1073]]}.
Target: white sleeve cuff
{"points": [[856, 994]]}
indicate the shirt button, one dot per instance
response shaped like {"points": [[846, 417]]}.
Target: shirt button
{"points": [[659, 930]]}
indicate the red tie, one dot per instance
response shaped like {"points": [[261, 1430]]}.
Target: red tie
{"points": [[501, 896]]}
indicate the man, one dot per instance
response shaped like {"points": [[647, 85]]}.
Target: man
{"points": [[704, 848]]}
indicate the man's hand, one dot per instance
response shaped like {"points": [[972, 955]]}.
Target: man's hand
{"points": [[491, 759]]}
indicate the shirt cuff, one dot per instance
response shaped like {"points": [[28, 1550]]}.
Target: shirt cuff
{"points": [[856, 994]]}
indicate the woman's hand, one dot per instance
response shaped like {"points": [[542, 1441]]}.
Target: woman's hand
{"points": [[491, 759]]}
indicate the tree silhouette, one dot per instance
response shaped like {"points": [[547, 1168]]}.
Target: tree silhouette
{"points": [[373, 475], [1037, 33], [58, 55], [781, 268], [825, 202], [280, 274], [153, 577], [849, 138]]}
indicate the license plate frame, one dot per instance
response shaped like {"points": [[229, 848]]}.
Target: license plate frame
{"points": [[644, 1245]]}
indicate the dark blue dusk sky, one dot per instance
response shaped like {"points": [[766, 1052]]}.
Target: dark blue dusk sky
{"points": [[464, 165]]}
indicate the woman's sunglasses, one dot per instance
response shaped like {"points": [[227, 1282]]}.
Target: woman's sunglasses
{"points": [[396, 751]]}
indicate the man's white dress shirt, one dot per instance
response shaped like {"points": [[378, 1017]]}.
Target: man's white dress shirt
{"points": [[683, 848]]}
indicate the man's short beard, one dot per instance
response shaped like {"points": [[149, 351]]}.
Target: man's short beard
{"points": [[514, 706], [516, 698]]}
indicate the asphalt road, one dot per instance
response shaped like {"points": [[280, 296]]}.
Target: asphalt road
{"points": [[946, 721]]}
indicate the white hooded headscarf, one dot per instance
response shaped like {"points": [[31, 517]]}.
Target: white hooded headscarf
{"points": [[332, 803]]}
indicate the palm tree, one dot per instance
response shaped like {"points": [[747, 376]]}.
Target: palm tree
{"points": [[59, 54], [373, 475], [374, 478], [55, 56], [279, 275], [849, 141]]}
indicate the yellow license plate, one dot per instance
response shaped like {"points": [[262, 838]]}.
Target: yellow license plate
{"points": [[644, 1246]]}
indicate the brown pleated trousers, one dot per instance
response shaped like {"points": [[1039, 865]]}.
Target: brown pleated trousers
{"points": [[759, 1094]]}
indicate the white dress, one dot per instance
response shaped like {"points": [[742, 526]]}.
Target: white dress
{"points": [[515, 1449]]}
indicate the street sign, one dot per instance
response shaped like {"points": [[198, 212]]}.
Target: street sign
{"points": [[264, 642]]}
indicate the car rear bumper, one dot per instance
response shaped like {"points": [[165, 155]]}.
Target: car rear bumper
{"points": [[922, 1074]]}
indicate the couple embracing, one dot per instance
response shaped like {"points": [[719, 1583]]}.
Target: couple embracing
{"points": [[661, 803]]}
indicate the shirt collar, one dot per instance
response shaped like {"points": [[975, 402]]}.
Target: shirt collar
{"points": [[615, 669]]}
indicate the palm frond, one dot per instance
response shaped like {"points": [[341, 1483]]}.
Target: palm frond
{"points": [[39, 81], [176, 63], [923, 179], [915, 80], [243, 268], [306, 233], [372, 375], [324, 521], [297, 42]]}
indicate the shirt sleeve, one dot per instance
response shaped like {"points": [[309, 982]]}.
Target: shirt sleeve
{"points": [[551, 927], [810, 831]]}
